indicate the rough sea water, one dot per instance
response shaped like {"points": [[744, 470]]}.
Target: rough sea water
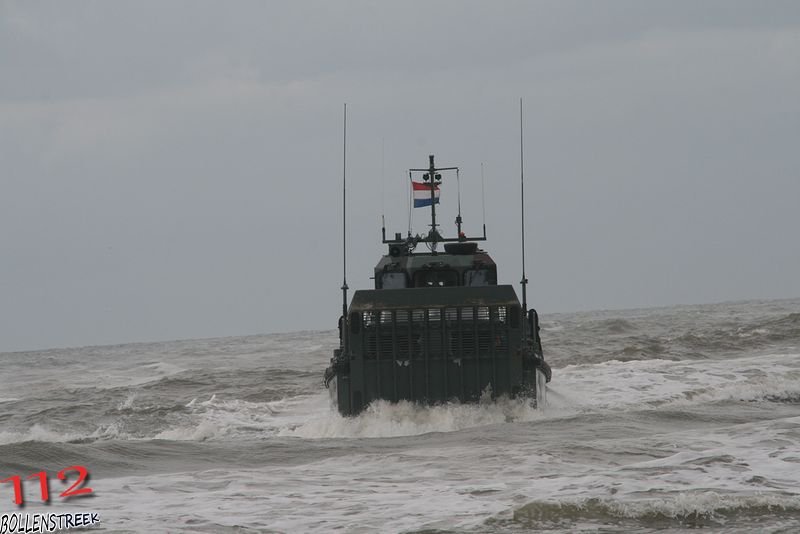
{"points": [[666, 419]]}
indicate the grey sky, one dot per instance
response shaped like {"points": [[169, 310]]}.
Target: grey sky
{"points": [[172, 169]]}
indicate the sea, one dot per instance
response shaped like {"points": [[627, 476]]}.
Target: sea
{"points": [[657, 420]]}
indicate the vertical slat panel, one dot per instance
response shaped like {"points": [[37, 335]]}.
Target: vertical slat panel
{"points": [[475, 336], [393, 363], [461, 349], [492, 352], [427, 349], [363, 366], [444, 334], [378, 348], [410, 367]]}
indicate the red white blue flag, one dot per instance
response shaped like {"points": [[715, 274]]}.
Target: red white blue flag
{"points": [[422, 194]]}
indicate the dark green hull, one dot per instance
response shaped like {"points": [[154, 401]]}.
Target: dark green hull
{"points": [[435, 345]]}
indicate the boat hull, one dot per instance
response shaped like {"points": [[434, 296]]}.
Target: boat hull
{"points": [[434, 346]]}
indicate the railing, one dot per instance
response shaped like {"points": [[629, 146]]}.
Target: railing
{"points": [[462, 332]]}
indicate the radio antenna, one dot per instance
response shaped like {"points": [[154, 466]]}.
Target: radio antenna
{"points": [[409, 203], [344, 229], [524, 281], [483, 202], [383, 191], [458, 217]]}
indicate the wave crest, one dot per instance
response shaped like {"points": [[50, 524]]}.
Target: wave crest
{"points": [[691, 508]]}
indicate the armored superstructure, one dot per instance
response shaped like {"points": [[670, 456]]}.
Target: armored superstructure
{"points": [[437, 327]]}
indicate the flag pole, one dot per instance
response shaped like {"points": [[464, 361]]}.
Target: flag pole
{"points": [[432, 174]]}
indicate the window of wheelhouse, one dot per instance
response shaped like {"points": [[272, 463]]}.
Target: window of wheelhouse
{"points": [[479, 277], [394, 281], [436, 278]]}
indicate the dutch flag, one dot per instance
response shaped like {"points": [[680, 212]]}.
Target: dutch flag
{"points": [[422, 194]]}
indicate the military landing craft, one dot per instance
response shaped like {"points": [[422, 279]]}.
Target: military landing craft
{"points": [[437, 327]]}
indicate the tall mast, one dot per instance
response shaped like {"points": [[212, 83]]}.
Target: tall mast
{"points": [[433, 180], [458, 217], [344, 229], [432, 175], [524, 280]]}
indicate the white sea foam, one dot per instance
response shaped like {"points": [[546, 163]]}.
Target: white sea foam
{"points": [[37, 432], [750, 333], [632, 384], [385, 419], [127, 403], [203, 431], [229, 418]]}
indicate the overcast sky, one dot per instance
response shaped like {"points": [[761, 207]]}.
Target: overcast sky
{"points": [[173, 169]]}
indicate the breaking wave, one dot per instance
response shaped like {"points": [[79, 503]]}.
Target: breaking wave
{"points": [[38, 432], [689, 509]]}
